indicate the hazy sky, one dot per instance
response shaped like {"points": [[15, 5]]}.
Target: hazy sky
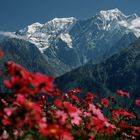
{"points": [[16, 14]]}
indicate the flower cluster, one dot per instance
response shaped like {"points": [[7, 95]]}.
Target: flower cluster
{"points": [[35, 109]]}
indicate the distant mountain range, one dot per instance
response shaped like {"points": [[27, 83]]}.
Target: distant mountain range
{"points": [[64, 44]]}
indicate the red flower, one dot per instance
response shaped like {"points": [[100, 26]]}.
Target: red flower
{"points": [[65, 135], [54, 131], [1, 54], [69, 107], [8, 84], [90, 97], [124, 125], [74, 91], [122, 93], [75, 99], [110, 131], [6, 121], [137, 102], [123, 112], [42, 83], [105, 102], [51, 131], [21, 99], [58, 103]]}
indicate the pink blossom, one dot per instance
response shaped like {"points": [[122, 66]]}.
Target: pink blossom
{"points": [[62, 116], [75, 118], [96, 111]]}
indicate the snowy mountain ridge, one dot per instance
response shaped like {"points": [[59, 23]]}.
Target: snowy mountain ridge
{"points": [[70, 42], [42, 34]]}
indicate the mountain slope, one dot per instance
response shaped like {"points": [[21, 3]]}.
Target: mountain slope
{"points": [[121, 71], [27, 55]]}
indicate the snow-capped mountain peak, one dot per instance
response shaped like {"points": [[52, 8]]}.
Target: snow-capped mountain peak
{"points": [[43, 34], [34, 27], [63, 20], [105, 24], [27, 31], [112, 11], [36, 24], [111, 19], [112, 14], [59, 24]]}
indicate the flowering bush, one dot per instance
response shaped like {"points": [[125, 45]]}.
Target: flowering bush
{"points": [[38, 111]]}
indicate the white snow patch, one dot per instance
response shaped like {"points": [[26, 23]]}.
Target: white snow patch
{"points": [[133, 26], [32, 28], [135, 22], [123, 23], [67, 39], [111, 14]]}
